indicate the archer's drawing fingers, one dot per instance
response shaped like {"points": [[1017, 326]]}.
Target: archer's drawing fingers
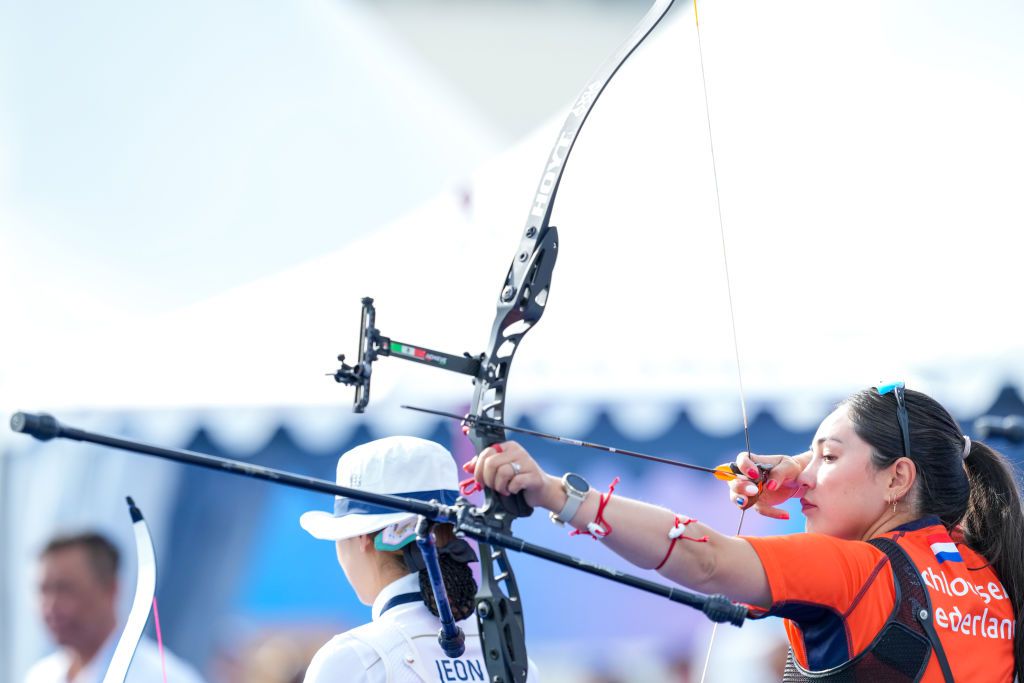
{"points": [[747, 466], [742, 488], [769, 480], [745, 488]]}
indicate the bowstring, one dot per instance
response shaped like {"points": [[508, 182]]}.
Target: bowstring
{"points": [[728, 289], [159, 639]]}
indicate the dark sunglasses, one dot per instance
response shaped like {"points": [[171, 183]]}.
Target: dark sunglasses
{"points": [[897, 388]]}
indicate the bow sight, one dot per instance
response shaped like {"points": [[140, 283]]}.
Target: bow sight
{"points": [[372, 345]]}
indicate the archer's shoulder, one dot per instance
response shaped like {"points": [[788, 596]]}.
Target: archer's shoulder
{"points": [[343, 657], [812, 547]]}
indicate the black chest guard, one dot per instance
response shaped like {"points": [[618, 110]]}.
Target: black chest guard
{"points": [[901, 651]]}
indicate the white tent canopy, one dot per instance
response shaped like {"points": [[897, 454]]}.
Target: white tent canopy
{"points": [[154, 155], [871, 234]]}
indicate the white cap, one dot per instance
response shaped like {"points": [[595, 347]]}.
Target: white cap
{"points": [[400, 465]]}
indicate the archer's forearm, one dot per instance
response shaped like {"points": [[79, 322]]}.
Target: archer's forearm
{"points": [[640, 534]]}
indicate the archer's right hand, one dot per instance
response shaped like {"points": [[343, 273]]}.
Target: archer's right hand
{"points": [[779, 484]]}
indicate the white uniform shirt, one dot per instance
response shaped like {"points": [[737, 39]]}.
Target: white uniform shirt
{"points": [[145, 666], [400, 646]]}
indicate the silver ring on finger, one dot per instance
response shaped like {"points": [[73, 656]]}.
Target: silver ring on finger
{"points": [[516, 467]]}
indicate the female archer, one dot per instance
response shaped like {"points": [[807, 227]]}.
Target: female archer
{"points": [[377, 551], [912, 567]]}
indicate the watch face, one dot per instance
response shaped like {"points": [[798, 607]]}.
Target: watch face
{"points": [[577, 482]]}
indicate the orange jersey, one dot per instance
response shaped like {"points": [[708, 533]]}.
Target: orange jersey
{"points": [[836, 596]]}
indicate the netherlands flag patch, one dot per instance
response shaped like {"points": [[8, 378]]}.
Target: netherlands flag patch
{"points": [[944, 548]]}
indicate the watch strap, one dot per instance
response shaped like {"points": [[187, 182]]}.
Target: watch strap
{"points": [[574, 499]]}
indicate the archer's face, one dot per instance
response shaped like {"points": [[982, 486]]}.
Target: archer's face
{"points": [[76, 605], [356, 559], [844, 495]]}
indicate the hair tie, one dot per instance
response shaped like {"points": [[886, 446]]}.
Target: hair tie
{"points": [[458, 549], [967, 446]]}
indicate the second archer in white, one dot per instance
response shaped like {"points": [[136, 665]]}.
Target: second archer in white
{"points": [[377, 551]]}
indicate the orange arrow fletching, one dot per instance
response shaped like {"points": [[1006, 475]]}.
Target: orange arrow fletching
{"points": [[723, 473]]}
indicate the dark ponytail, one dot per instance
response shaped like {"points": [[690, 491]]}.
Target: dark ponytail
{"points": [[454, 556], [994, 526], [978, 493], [458, 582]]}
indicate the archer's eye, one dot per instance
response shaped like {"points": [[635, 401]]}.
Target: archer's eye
{"points": [[828, 457]]}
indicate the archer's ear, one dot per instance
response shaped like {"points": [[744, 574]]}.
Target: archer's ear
{"points": [[904, 474], [366, 543]]}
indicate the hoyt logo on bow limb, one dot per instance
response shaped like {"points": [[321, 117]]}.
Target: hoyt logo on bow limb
{"points": [[549, 181], [586, 99]]}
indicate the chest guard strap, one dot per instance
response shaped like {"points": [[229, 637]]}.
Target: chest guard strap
{"points": [[902, 649]]}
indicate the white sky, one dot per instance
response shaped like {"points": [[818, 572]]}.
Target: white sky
{"points": [[154, 154], [870, 159]]}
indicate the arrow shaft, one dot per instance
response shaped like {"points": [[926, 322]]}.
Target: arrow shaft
{"points": [[565, 439]]}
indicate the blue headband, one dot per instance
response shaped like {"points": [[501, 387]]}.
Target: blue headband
{"points": [[349, 506]]}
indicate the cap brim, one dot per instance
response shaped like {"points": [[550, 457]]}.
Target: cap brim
{"points": [[327, 527]]}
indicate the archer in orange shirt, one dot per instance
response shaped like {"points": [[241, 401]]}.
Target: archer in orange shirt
{"points": [[912, 567]]}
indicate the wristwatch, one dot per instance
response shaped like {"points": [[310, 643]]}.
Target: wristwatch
{"points": [[576, 488]]}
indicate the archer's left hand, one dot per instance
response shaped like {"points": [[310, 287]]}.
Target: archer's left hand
{"points": [[509, 469]]}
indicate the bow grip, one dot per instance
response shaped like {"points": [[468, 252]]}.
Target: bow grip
{"points": [[514, 505]]}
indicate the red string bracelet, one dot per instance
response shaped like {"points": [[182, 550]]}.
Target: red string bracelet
{"points": [[600, 527], [675, 533]]}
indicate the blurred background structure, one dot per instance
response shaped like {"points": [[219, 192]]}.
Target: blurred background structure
{"points": [[194, 197]]}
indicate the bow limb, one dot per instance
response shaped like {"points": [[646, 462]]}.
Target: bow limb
{"points": [[521, 303], [145, 589]]}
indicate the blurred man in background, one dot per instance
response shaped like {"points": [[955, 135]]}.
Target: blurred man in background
{"points": [[78, 599]]}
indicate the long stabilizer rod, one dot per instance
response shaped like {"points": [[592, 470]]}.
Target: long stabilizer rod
{"points": [[466, 519]]}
